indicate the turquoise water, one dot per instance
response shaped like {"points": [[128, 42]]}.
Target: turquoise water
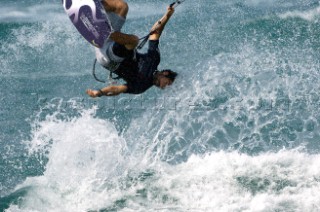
{"points": [[238, 131]]}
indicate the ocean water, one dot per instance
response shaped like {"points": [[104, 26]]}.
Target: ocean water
{"points": [[238, 130]]}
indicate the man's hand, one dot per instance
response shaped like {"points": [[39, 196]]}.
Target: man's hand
{"points": [[94, 93], [170, 11], [111, 90]]}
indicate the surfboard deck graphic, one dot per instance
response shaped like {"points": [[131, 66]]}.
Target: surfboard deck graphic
{"points": [[90, 19]]}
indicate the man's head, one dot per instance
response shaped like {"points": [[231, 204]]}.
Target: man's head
{"points": [[164, 78]]}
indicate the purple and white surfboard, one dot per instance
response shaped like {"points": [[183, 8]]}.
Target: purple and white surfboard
{"points": [[90, 19]]}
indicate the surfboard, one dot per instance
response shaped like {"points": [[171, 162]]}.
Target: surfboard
{"points": [[90, 19]]}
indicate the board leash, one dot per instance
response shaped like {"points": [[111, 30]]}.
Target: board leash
{"points": [[94, 72], [111, 78]]}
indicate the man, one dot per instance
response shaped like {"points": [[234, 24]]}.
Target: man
{"points": [[117, 55]]}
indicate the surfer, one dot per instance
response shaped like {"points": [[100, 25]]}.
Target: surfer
{"points": [[118, 55]]}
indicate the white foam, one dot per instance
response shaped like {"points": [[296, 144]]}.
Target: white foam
{"points": [[86, 156], [49, 40], [309, 15], [88, 169], [231, 181]]}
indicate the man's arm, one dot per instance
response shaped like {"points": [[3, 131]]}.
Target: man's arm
{"points": [[158, 27], [112, 90]]}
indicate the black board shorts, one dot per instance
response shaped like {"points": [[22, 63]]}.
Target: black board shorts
{"points": [[121, 51]]}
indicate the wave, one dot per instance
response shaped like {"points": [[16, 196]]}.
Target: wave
{"points": [[32, 13], [238, 129], [309, 15], [91, 168]]}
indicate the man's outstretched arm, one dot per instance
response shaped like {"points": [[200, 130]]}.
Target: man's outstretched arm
{"points": [[112, 90], [158, 27]]}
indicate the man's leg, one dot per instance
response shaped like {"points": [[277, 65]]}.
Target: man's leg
{"points": [[119, 7]]}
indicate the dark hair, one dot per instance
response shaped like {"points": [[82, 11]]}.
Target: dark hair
{"points": [[170, 74]]}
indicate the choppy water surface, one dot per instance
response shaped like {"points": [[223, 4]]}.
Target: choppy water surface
{"points": [[238, 131]]}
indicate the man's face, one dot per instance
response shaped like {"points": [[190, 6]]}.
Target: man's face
{"points": [[164, 81]]}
